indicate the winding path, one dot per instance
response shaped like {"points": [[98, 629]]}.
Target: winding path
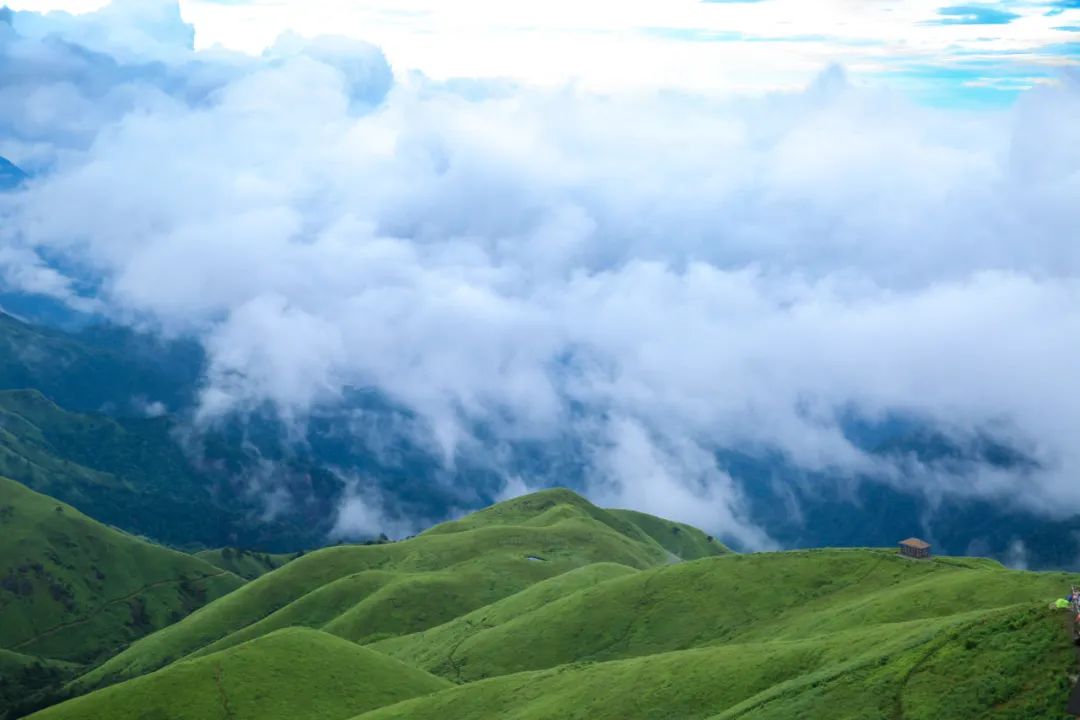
{"points": [[101, 608]]}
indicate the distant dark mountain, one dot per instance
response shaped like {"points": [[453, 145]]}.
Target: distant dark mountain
{"points": [[45, 311], [805, 509], [10, 174], [134, 474], [100, 368], [99, 417]]}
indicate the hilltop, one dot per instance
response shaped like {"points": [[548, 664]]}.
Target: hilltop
{"points": [[547, 606], [371, 592]]}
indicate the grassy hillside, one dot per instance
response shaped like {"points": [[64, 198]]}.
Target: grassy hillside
{"points": [[548, 607], [858, 634], [26, 681], [880, 673], [730, 599], [435, 649], [291, 674], [73, 589], [370, 592], [685, 541], [543, 508], [247, 564]]}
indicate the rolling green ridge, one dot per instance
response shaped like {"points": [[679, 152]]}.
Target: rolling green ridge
{"points": [[291, 674], [734, 599], [685, 541], [882, 674], [548, 607], [404, 587], [434, 649], [73, 589], [245, 563]]}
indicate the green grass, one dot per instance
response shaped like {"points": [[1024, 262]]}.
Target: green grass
{"points": [[543, 508], [547, 607], [73, 589], [685, 684], [433, 649], [374, 604], [732, 598], [684, 541], [862, 673], [292, 674], [27, 682], [245, 563], [986, 658], [436, 576]]}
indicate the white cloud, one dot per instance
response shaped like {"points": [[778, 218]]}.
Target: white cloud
{"points": [[658, 274], [361, 516], [681, 482], [635, 44]]}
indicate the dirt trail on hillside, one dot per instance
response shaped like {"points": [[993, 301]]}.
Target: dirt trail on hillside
{"points": [[101, 608]]}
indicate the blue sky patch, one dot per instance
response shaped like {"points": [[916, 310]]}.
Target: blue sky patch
{"points": [[974, 15]]}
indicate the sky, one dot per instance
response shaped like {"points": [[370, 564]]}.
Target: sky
{"points": [[943, 51], [643, 227]]}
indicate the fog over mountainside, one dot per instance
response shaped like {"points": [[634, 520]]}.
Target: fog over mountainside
{"points": [[825, 316]]}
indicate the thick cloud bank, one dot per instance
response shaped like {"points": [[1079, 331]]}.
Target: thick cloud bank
{"points": [[658, 277]]}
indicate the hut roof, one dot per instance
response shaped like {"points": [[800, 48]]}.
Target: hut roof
{"points": [[916, 543]]}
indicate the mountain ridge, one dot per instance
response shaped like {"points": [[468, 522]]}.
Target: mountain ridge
{"points": [[525, 611]]}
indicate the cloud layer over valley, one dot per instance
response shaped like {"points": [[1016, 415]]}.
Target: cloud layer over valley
{"points": [[658, 276]]}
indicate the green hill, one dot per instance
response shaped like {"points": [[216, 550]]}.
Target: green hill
{"points": [[27, 682], [73, 589], [549, 607], [370, 592], [245, 563], [685, 541], [733, 599], [822, 634], [291, 674], [1012, 664], [539, 509], [435, 649]]}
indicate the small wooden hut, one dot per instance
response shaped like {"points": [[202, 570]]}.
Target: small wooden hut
{"points": [[915, 548]]}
